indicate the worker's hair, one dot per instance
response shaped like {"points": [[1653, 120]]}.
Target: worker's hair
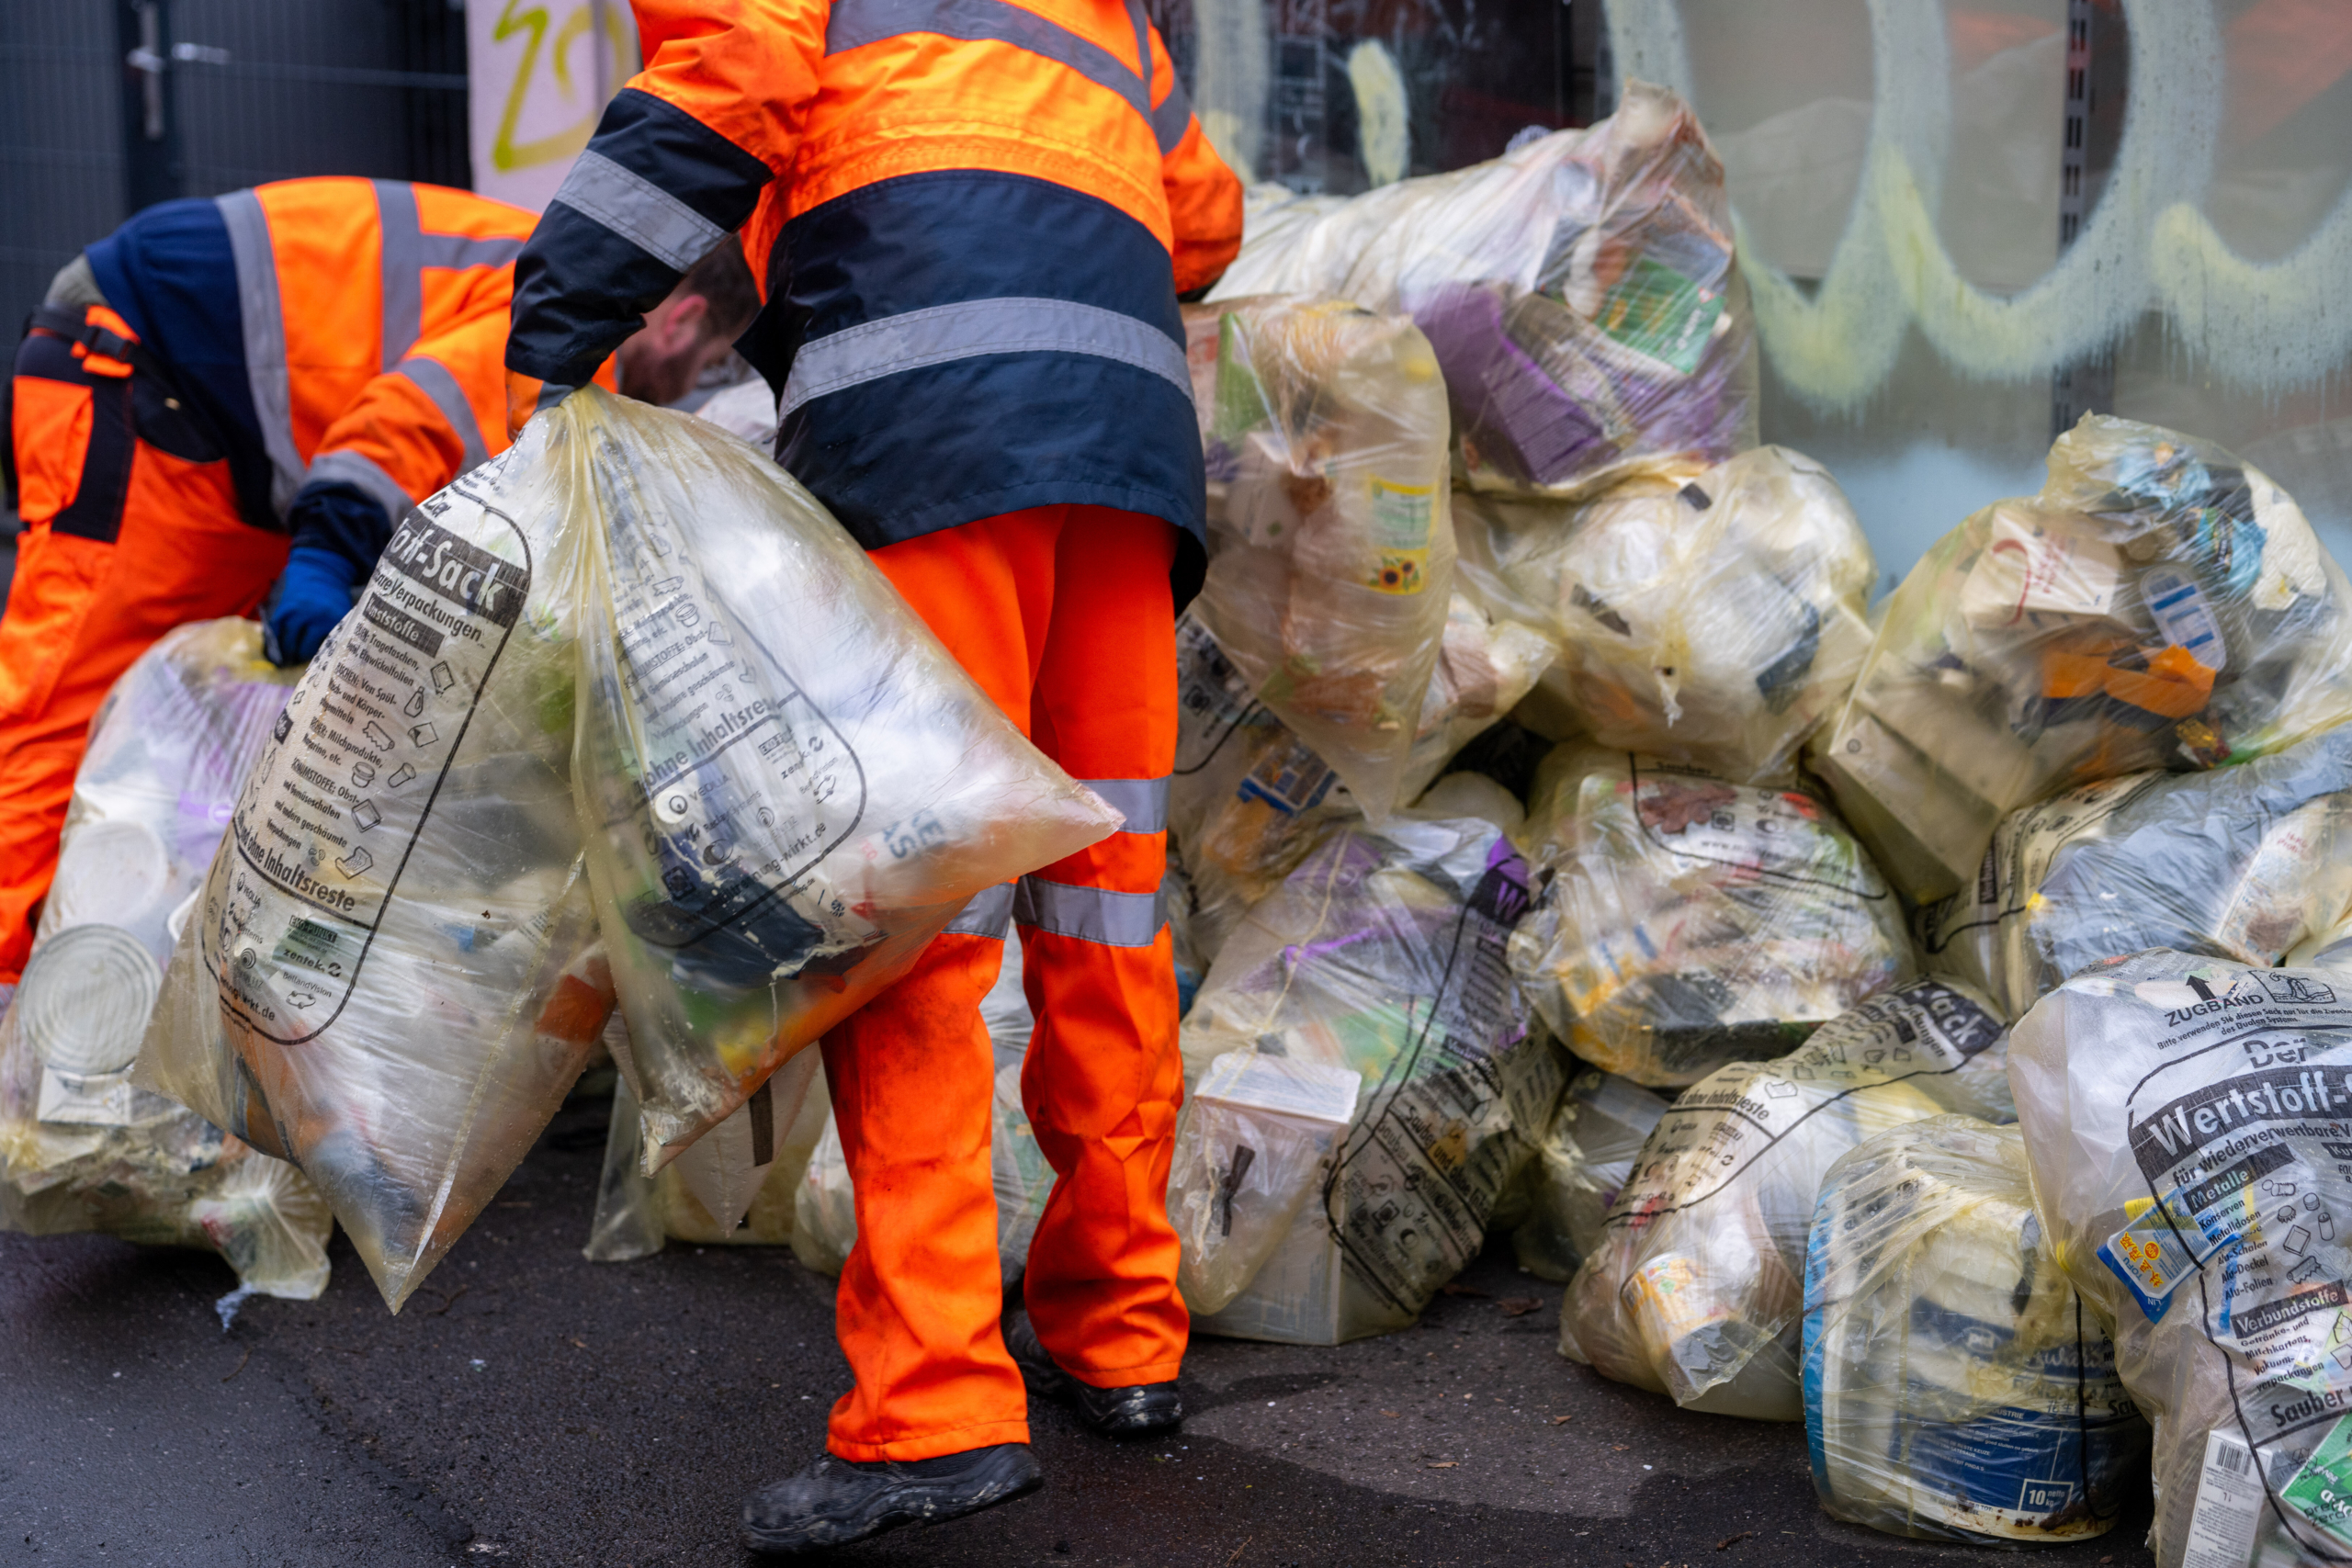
{"points": [[725, 279]]}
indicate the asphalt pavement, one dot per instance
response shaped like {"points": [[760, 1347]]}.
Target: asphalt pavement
{"points": [[530, 1407]]}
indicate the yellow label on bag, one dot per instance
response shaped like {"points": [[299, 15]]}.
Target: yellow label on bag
{"points": [[1402, 516]]}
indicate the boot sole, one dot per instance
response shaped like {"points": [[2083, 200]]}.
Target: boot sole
{"points": [[821, 1535]]}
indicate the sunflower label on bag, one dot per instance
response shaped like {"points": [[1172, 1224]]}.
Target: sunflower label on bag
{"points": [[1402, 516], [368, 747]]}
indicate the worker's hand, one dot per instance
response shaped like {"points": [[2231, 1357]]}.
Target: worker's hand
{"points": [[314, 593], [526, 395]]}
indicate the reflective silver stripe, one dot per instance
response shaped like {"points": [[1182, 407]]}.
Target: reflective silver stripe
{"points": [[989, 914], [1144, 801], [1172, 117], [265, 333], [855, 23], [1143, 51], [404, 289], [638, 211], [942, 333], [461, 250], [1090, 914], [361, 472], [433, 379]]}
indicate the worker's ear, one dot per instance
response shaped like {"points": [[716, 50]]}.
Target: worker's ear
{"points": [[689, 323]]}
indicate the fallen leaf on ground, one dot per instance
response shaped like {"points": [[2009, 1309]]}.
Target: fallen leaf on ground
{"points": [[1730, 1540], [1462, 1290], [1390, 1414], [1562, 1420], [1444, 1464], [1518, 1306]]}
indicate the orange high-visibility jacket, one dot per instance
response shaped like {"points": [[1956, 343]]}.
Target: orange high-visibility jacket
{"points": [[970, 219], [336, 330]]}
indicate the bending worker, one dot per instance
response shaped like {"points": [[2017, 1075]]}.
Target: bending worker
{"points": [[972, 219], [224, 394]]}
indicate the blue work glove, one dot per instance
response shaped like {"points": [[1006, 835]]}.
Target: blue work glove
{"points": [[314, 593]]}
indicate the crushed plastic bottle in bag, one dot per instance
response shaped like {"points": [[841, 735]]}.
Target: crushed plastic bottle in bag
{"points": [[393, 976], [1697, 1288], [1712, 616], [1332, 536], [789, 787], [2245, 863], [83, 1148], [2185, 1122], [2158, 604], [1956, 1388], [1382, 955], [1581, 1165], [1580, 292], [1689, 922]]}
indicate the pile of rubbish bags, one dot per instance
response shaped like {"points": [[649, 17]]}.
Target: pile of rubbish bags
{"points": [[1928, 1026]]}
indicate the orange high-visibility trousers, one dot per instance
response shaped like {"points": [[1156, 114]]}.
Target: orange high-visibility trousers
{"points": [[1063, 614], [123, 541]]}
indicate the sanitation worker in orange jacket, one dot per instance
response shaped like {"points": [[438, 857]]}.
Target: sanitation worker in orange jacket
{"points": [[972, 219], [224, 394]]}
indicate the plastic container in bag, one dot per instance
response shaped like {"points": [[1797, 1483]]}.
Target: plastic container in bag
{"points": [[1690, 921], [1331, 556], [1580, 292], [2158, 604], [787, 784], [1696, 1291], [81, 1147], [2185, 1120], [736, 1185], [1581, 1163], [1712, 616], [2243, 863], [1253, 1143], [396, 936], [1956, 1388], [1382, 955]]}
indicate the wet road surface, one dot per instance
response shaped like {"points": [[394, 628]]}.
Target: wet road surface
{"points": [[530, 1407]]}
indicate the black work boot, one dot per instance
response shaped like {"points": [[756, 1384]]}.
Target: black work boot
{"points": [[836, 1501], [1139, 1410]]}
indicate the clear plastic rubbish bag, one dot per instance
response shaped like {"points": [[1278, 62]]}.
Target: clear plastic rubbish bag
{"points": [[1712, 616], [2158, 604], [1331, 552], [1581, 1165], [2184, 1122], [1382, 955], [1580, 292], [1248, 799], [1696, 1291], [736, 1185], [396, 937], [2245, 863], [81, 1147], [788, 786], [1689, 922], [1254, 1140], [1956, 1388]]}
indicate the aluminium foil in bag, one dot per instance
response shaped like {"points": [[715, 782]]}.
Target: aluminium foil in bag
{"points": [[1956, 1387], [1697, 1288]]}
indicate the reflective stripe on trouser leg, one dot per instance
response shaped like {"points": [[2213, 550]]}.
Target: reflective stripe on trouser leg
{"points": [[1103, 1079], [990, 914], [79, 612], [912, 1078]]}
